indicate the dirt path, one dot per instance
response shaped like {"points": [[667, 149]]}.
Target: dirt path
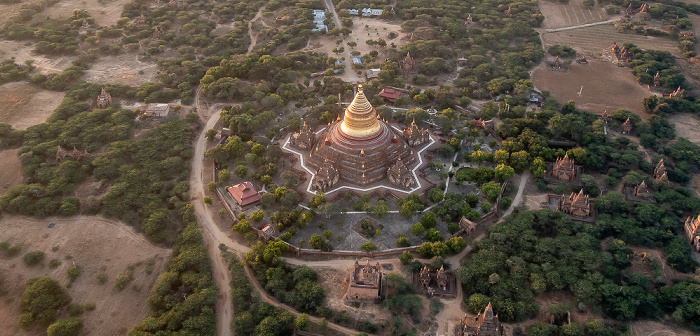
{"points": [[519, 195], [254, 37], [583, 25], [350, 75]]}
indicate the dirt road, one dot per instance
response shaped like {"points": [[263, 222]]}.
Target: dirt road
{"points": [[349, 75]]}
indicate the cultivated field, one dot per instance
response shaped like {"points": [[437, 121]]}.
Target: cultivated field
{"points": [[90, 242], [597, 38], [23, 105], [605, 86], [558, 15], [11, 172]]}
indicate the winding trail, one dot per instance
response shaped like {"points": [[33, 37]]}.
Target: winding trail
{"points": [[254, 38], [213, 236]]}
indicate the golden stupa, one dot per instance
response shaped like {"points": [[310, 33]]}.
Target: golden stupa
{"points": [[360, 117], [359, 148]]}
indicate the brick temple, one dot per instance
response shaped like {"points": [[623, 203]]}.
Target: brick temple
{"points": [[360, 149], [484, 324]]}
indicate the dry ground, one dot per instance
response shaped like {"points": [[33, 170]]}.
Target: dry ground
{"points": [[605, 86], [22, 51], [105, 12], [11, 172], [558, 15], [121, 69], [652, 328], [687, 126], [92, 242], [23, 105]]}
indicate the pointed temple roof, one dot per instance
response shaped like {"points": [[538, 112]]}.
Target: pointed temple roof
{"points": [[360, 117]]}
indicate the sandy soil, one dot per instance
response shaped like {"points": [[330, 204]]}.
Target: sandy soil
{"points": [[605, 86], [9, 10], [652, 328], [557, 15], [122, 69], [105, 12], [22, 51], [11, 172], [92, 242], [687, 126], [23, 105]]}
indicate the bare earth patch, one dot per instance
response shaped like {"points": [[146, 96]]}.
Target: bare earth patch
{"points": [[92, 242], [11, 172], [22, 51], [687, 126], [652, 328], [105, 12], [23, 105], [122, 69], [605, 86]]}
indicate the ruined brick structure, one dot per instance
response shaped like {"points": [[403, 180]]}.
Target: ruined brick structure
{"points": [[641, 190], [365, 282], [484, 324], [407, 64], [75, 154], [660, 172], [103, 100], [692, 232], [361, 148], [303, 140], [415, 136], [326, 177], [627, 126], [564, 169], [577, 205]]}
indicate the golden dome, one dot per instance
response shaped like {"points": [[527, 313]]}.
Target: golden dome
{"points": [[360, 117]]}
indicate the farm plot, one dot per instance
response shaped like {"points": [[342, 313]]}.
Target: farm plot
{"points": [[595, 39], [558, 15], [605, 86]]}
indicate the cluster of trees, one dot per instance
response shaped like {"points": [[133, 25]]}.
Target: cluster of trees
{"points": [[537, 251], [296, 287], [183, 298], [12, 72], [49, 185], [647, 63], [255, 318]]}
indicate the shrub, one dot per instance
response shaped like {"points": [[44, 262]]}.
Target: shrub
{"points": [[40, 300], [368, 247], [66, 327], [124, 278], [101, 276], [402, 242], [405, 257], [54, 263], [73, 273], [33, 258]]}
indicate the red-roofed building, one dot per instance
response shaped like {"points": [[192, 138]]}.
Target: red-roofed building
{"points": [[244, 193], [390, 95]]}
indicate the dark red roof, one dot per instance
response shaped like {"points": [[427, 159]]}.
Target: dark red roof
{"points": [[390, 94], [244, 193]]}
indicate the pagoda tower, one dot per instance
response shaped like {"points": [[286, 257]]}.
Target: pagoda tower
{"points": [[360, 147]]}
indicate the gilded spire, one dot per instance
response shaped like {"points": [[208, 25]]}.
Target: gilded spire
{"points": [[360, 117]]}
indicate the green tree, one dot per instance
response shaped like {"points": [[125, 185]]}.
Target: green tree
{"points": [[40, 300], [211, 134], [503, 172], [428, 220], [66, 327], [405, 257], [435, 195], [417, 229], [491, 190], [402, 242], [302, 322], [368, 247]]}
